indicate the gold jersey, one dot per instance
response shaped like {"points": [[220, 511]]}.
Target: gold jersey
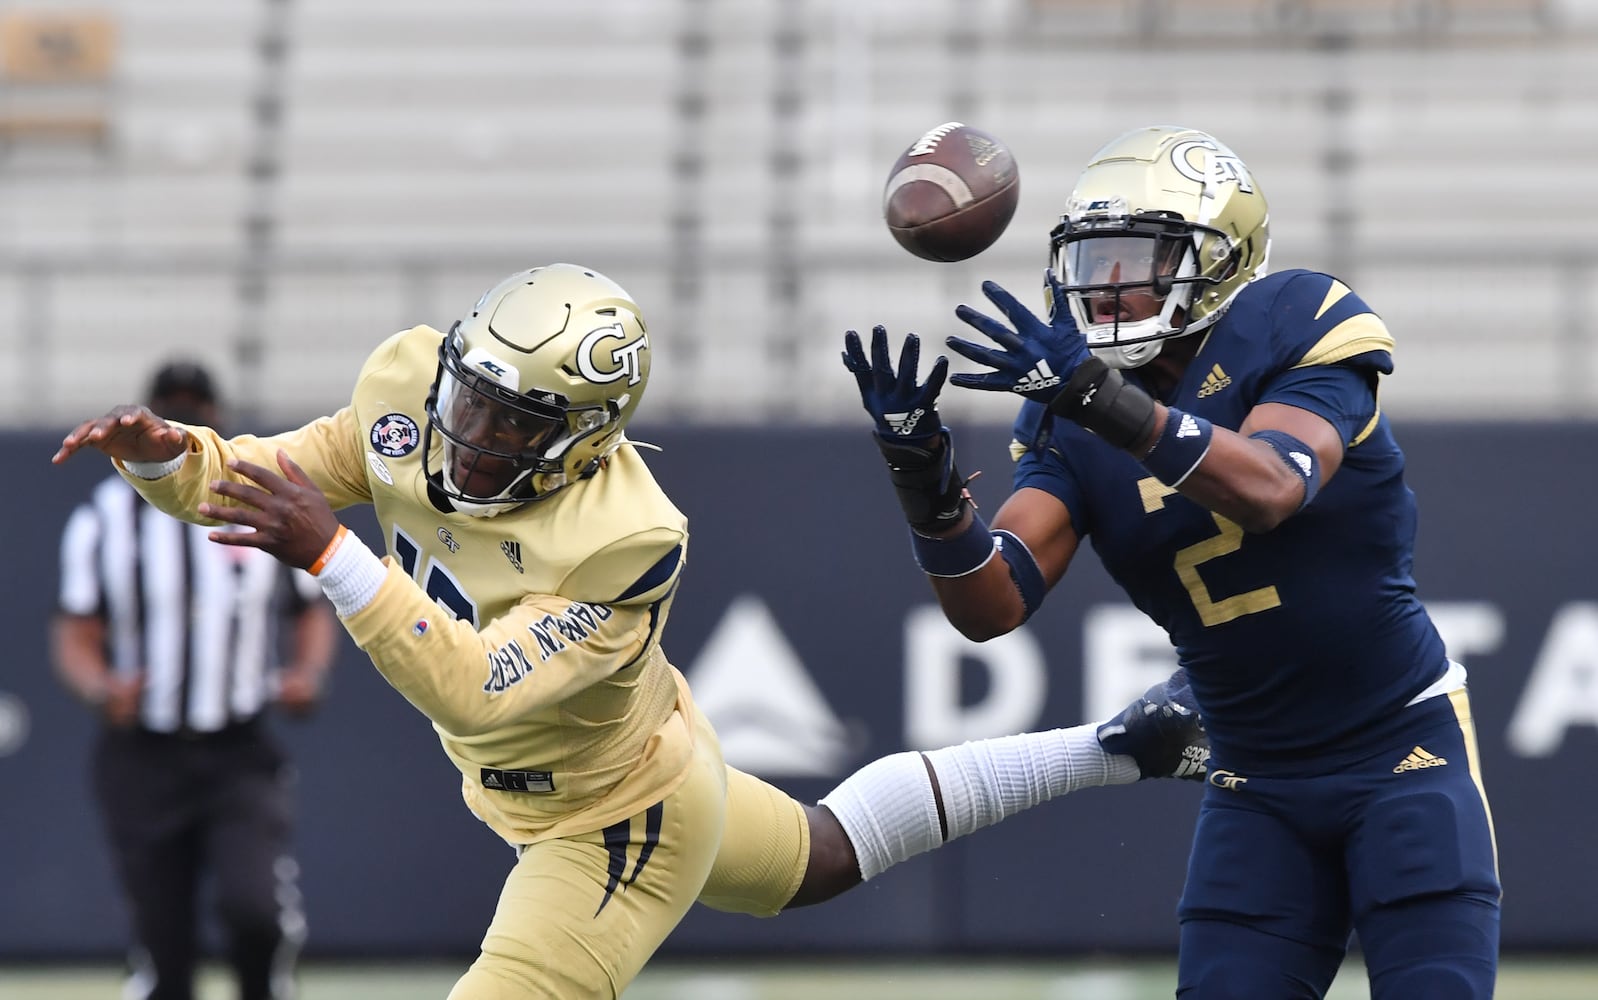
{"points": [[531, 639]]}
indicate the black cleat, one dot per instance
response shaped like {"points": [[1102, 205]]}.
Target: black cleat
{"points": [[1162, 731]]}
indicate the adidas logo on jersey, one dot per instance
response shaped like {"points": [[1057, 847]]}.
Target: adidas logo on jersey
{"points": [[513, 552], [1040, 377], [1418, 760], [1214, 381]]}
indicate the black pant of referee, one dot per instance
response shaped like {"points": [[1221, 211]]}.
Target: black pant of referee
{"points": [[181, 808]]}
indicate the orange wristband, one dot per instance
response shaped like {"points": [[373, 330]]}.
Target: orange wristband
{"points": [[327, 553]]}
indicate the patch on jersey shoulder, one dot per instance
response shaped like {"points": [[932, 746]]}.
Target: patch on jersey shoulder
{"points": [[395, 435]]}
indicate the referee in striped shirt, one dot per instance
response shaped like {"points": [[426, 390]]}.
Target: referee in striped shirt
{"points": [[174, 641]]}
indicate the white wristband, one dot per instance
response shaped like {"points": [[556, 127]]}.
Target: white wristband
{"points": [[352, 577], [156, 470]]}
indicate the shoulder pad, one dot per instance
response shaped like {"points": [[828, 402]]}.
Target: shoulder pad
{"points": [[1296, 319]]}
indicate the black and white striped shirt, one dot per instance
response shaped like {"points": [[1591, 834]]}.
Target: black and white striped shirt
{"points": [[197, 617]]}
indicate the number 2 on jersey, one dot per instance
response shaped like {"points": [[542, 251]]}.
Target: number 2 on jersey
{"points": [[1211, 611]]}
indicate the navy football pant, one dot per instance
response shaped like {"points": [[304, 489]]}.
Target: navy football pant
{"points": [[1397, 849]]}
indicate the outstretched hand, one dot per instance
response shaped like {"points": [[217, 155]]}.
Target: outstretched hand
{"points": [[291, 517], [1035, 359], [904, 409], [129, 433]]}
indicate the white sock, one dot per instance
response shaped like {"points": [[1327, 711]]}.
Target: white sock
{"points": [[888, 810], [988, 780]]}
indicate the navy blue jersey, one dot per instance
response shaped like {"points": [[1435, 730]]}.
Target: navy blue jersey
{"points": [[1302, 643]]}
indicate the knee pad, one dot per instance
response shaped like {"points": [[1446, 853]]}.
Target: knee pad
{"points": [[1451, 980], [1225, 960], [1236, 978]]}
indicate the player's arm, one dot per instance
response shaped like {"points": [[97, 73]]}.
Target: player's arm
{"points": [[988, 581], [539, 653], [992, 600], [1294, 439], [467, 681], [1261, 474], [327, 449], [172, 464], [1257, 476]]}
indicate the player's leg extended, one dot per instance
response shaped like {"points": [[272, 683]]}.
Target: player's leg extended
{"points": [[1423, 866], [908, 803], [1264, 912], [778, 854], [766, 849], [579, 916]]}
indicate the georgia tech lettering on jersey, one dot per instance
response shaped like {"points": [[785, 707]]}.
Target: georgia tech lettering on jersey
{"points": [[1222, 165], [623, 358]]}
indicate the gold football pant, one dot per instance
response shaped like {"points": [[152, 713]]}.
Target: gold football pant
{"points": [[765, 849], [579, 916]]}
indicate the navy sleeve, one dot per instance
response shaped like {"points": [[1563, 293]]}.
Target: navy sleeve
{"points": [[1039, 448], [1341, 395]]}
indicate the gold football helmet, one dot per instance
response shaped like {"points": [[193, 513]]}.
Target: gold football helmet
{"points": [[534, 387], [1164, 228]]}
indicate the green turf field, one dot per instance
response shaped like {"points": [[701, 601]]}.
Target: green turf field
{"points": [[848, 980]]}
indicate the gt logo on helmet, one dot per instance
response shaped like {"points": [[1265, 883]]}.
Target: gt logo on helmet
{"points": [[624, 359], [1222, 162]]}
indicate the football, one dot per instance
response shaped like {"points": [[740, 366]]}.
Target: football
{"points": [[952, 193]]}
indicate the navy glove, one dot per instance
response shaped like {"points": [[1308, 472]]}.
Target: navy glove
{"points": [[909, 432], [903, 410], [1036, 358], [1162, 731]]}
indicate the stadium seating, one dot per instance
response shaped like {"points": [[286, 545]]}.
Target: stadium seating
{"points": [[724, 160]]}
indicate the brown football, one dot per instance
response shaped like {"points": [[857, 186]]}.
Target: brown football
{"points": [[952, 193]]}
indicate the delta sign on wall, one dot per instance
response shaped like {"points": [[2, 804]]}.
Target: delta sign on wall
{"points": [[814, 645]]}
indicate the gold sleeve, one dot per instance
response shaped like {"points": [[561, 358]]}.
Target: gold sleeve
{"points": [[539, 653], [327, 449], [638, 569]]}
